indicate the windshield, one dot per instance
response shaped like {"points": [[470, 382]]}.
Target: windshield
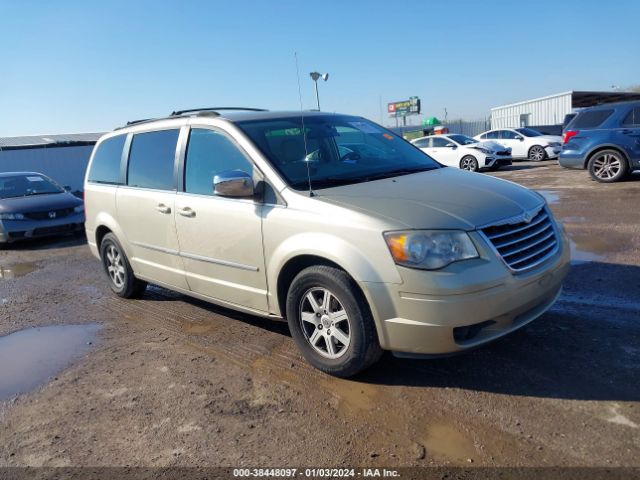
{"points": [[27, 185], [527, 132], [462, 139], [336, 150]]}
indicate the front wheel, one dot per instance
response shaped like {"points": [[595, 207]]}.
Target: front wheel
{"points": [[469, 163], [331, 323], [607, 166], [116, 265], [537, 153]]}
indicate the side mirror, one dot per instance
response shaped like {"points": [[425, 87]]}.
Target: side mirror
{"points": [[233, 183], [451, 145], [519, 138]]}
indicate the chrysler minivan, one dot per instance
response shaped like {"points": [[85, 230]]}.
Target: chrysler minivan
{"points": [[361, 241]]}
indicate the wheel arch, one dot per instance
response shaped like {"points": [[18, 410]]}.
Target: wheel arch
{"points": [[602, 147]]}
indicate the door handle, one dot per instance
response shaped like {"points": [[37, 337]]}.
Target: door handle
{"points": [[162, 208], [187, 212]]}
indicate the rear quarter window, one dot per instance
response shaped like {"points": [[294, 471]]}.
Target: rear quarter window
{"points": [[591, 119], [632, 118], [105, 167]]}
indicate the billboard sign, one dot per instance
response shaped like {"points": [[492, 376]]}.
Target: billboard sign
{"points": [[404, 108]]}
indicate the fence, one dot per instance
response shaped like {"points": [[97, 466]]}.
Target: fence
{"points": [[464, 127]]}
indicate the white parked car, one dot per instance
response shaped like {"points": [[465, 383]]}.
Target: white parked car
{"points": [[525, 142], [464, 152]]}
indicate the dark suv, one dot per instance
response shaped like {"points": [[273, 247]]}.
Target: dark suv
{"points": [[605, 140]]}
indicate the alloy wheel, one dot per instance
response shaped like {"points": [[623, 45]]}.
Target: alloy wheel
{"points": [[115, 266], [536, 154], [606, 166], [468, 164], [325, 323]]}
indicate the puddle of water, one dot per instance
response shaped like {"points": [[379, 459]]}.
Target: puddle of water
{"points": [[28, 358], [551, 196], [445, 442], [580, 256], [17, 270]]}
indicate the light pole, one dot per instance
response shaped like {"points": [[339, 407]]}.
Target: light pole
{"points": [[315, 76]]}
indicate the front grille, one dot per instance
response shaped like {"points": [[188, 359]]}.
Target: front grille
{"points": [[61, 213], [55, 230], [523, 245], [503, 152]]}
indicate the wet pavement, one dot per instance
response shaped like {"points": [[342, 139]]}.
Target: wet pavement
{"points": [[31, 357], [174, 381]]}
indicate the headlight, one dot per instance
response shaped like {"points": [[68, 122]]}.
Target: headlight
{"points": [[11, 216], [554, 144], [79, 209], [484, 150], [429, 249]]}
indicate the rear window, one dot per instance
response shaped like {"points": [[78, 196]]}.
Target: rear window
{"points": [[591, 119], [151, 160], [105, 167]]}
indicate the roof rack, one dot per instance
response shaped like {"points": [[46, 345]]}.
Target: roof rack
{"points": [[214, 110], [134, 122]]}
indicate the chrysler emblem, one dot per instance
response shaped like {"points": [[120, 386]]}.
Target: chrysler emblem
{"points": [[527, 217], [52, 214]]}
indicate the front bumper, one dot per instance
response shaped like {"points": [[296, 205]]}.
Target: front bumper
{"points": [[463, 306], [15, 230], [497, 161], [553, 152]]}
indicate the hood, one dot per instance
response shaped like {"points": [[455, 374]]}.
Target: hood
{"points": [[39, 203], [550, 138], [444, 198], [490, 145]]}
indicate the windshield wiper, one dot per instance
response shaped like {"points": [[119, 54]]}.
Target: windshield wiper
{"points": [[397, 173]]}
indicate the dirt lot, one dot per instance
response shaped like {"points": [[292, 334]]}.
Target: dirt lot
{"points": [[170, 381]]}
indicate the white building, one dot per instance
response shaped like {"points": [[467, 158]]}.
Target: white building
{"points": [[550, 111], [62, 157]]}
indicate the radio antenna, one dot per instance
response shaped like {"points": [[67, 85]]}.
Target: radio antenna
{"points": [[304, 132]]}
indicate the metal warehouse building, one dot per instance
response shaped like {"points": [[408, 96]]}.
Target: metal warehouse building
{"points": [[550, 111], [62, 157]]}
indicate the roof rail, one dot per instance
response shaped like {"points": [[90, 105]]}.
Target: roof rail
{"points": [[214, 110]]}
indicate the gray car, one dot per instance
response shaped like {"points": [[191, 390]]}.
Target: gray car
{"points": [[356, 237], [33, 205]]}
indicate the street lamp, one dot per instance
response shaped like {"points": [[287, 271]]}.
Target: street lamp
{"points": [[315, 76]]}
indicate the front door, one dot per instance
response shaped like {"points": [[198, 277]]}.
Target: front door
{"points": [[145, 208], [220, 238], [445, 155], [515, 141]]}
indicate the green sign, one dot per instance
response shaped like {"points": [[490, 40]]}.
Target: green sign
{"points": [[404, 108]]}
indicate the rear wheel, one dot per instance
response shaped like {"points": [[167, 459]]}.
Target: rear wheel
{"points": [[469, 163], [116, 265], [537, 153], [331, 323], [607, 166]]}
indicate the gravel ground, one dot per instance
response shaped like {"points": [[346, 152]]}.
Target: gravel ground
{"points": [[171, 381]]}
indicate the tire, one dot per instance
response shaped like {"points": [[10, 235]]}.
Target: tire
{"points": [[118, 269], [607, 166], [537, 153], [469, 163], [341, 326]]}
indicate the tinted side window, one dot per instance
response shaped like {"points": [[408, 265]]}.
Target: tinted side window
{"points": [[210, 152], [105, 167], [151, 160], [508, 135], [440, 142], [591, 119], [633, 117], [422, 143], [493, 135]]}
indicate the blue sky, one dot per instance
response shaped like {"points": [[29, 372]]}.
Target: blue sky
{"points": [[80, 66]]}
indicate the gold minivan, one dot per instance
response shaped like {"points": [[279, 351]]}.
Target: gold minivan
{"points": [[356, 237]]}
